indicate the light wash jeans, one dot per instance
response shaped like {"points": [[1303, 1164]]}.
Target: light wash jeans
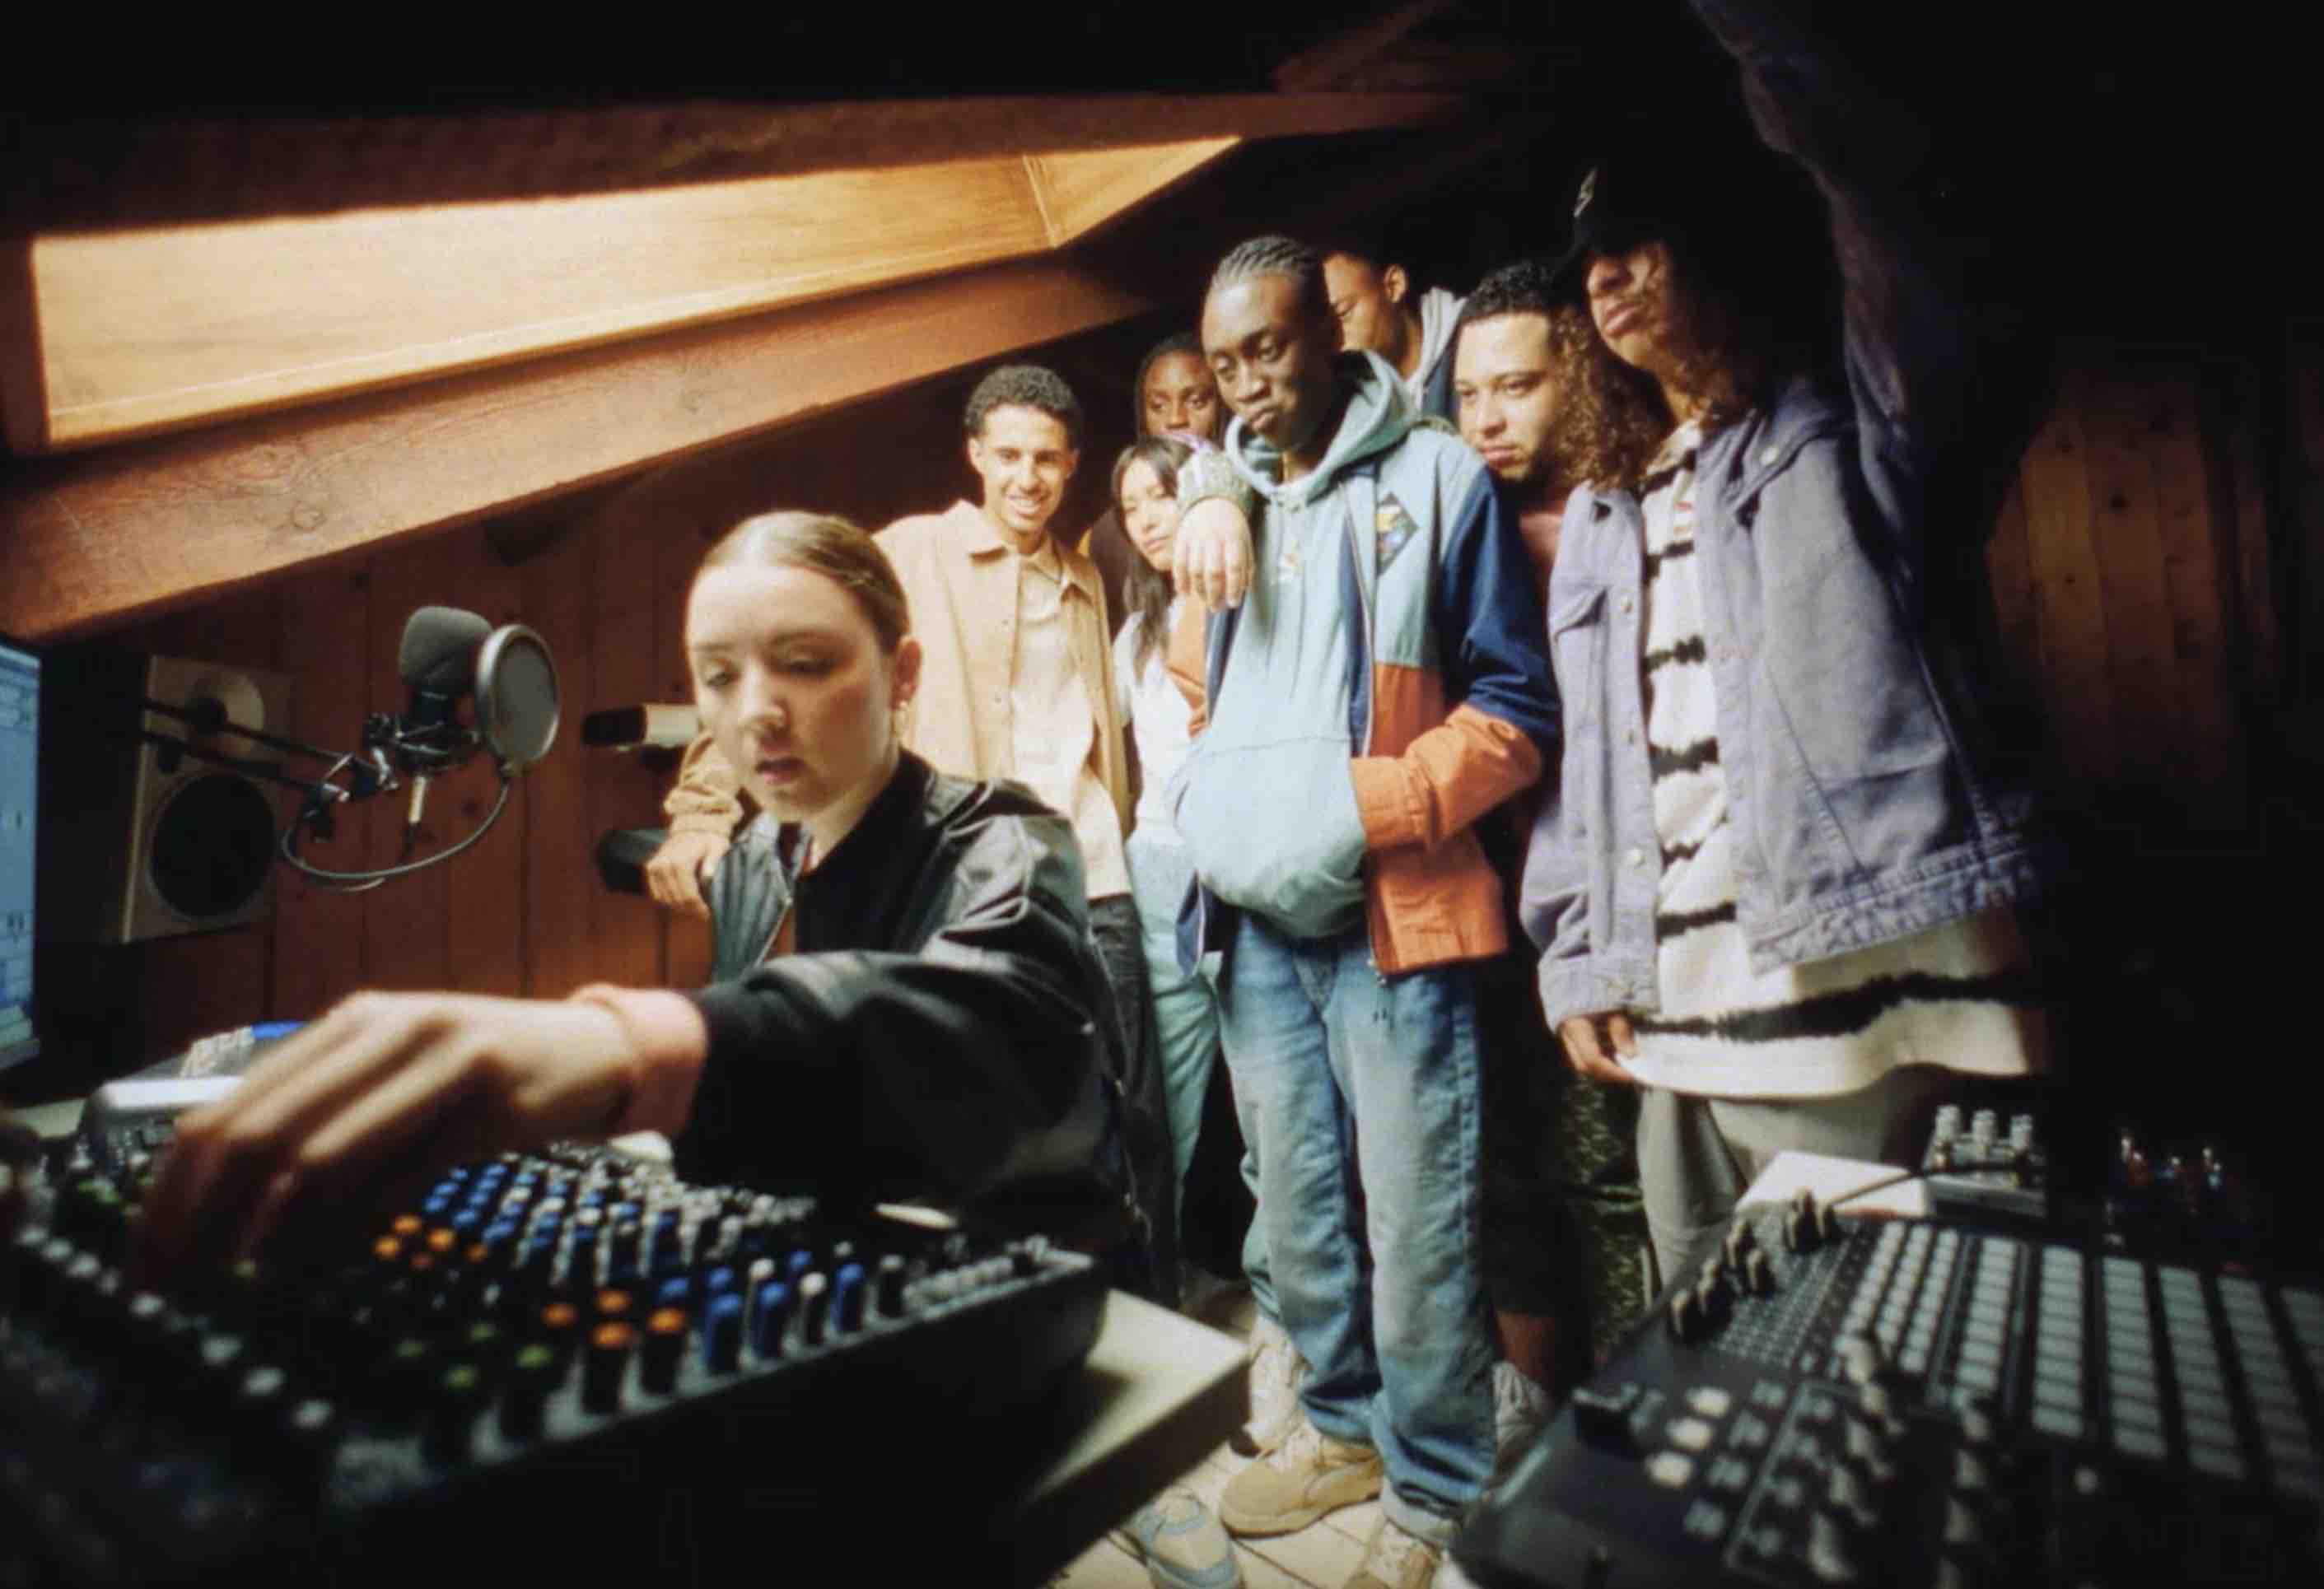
{"points": [[1338, 1061], [1186, 1006]]}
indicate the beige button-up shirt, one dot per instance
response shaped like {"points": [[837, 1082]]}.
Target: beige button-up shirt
{"points": [[963, 583]]}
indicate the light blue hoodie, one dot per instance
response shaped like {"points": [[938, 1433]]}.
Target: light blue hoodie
{"points": [[1264, 799]]}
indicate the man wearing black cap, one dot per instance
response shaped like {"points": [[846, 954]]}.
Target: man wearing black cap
{"points": [[1776, 885]]}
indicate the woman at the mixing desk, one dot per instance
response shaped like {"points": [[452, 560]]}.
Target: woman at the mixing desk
{"points": [[907, 999]]}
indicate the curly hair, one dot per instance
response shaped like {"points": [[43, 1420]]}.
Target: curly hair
{"points": [[1026, 386], [1609, 419], [1274, 256]]}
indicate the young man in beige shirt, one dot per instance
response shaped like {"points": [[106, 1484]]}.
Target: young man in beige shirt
{"points": [[1017, 682]]}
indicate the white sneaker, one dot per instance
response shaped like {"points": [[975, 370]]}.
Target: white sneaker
{"points": [[1520, 1408], [1396, 1560], [1275, 1373], [1181, 1543]]}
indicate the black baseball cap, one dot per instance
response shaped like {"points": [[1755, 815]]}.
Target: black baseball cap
{"points": [[1653, 188]]}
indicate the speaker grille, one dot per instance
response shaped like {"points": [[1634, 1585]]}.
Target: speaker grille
{"points": [[213, 842]]}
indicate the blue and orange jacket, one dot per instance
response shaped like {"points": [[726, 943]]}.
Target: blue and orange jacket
{"points": [[1383, 685]]}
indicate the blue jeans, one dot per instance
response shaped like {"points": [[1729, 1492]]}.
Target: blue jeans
{"points": [[1351, 1074], [1186, 1007]]}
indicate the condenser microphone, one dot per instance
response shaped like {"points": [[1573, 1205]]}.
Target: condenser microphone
{"points": [[438, 661]]}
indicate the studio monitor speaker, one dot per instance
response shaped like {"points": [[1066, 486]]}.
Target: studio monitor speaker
{"points": [[142, 839]]}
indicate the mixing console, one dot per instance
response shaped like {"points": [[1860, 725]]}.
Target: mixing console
{"points": [[1835, 1402], [518, 1363]]}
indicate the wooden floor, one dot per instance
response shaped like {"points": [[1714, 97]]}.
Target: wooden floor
{"points": [[1323, 1556]]}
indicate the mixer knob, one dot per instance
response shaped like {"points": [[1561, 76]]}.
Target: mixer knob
{"points": [[460, 1392], [1979, 1430], [847, 1296], [1827, 1223], [665, 1340], [1949, 1123], [814, 1307], [891, 1285], [1741, 1241], [721, 1333], [1985, 1127], [770, 1314], [1867, 1447], [1798, 1230], [1758, 1274], [1964, 1528], [608, 1359], [536, 1369], [1848, 1494], [1831, 1553], [1877, 1406], [309, 1428], [260, 1398], [1686, 1321], [1861, 1358]]}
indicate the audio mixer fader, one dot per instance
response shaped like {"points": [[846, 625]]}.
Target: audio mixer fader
{"points": [[1835, 1402], [543, 1361]]}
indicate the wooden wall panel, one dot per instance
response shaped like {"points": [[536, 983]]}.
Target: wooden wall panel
{"points": [[558, 883], [407, 934], [485, 884], [2128, 541], [2068, 603], [677, 548], [625, 930], [2232, 449], [326, 644], [2197, 574]]}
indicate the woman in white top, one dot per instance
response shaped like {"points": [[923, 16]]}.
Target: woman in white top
{"points": [[1186, 1009]]}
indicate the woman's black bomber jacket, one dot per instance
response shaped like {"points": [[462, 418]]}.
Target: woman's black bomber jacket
{"points": [[940, 1028]]}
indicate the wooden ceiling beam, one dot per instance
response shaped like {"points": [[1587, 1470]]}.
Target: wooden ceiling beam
{"points": [[93, 539], [64, 174], [139, 330]]}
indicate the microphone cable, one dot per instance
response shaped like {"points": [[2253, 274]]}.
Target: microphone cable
{"points": [[364, 882]]}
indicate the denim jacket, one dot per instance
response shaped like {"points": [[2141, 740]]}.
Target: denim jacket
{"points": [[1866, 797]]}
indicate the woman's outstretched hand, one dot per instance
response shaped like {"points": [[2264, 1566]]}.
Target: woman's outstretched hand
{"points": [[385, 1091]]}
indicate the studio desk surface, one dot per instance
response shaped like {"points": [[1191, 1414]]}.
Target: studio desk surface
{"points": [[1014, 1500]]}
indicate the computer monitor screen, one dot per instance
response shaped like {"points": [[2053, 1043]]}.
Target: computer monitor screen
{"points": [[20, 744]]}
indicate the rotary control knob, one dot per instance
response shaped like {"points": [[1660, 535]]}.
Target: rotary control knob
{"points": [[1862, 1359], [1876, 1405], [1979, 1432], [1711, 1296], [1831, 1554], [1686, 1320], [1846, 1494], [1867, 1447], [1758, 1274], [1741, 1241]]}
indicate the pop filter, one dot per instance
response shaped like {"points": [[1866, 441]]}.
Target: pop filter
{"points": [[516, 696]]}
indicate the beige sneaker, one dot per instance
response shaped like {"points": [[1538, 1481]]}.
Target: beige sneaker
{"points": [[1396, 1560], [1299, 1481], [1276, 1371]]}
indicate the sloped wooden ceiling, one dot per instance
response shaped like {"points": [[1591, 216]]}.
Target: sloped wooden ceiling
{"points": [[247, 348]]}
